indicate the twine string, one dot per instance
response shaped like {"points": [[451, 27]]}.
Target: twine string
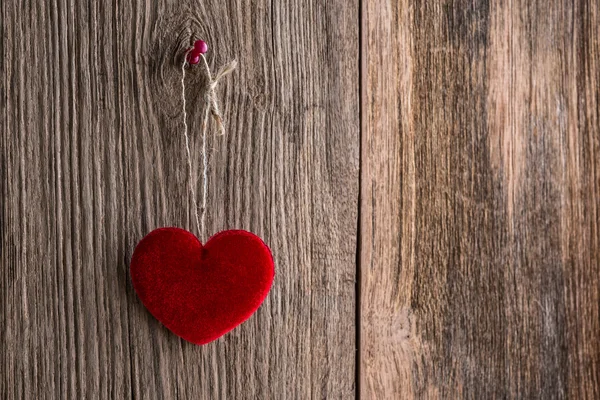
{"points": [[187, 144], [212, 108]]}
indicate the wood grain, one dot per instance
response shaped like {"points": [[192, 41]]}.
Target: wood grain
{"points": [[480, 191], [92, 159], [477, 248]]}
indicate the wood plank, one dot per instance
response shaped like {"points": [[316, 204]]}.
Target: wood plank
{"points": [[480, 193], [92, 159]]}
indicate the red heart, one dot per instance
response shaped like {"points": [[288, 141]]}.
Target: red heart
{"points": [[201, 292]]}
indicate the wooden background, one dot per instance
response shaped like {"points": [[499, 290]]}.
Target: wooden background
{"points": [[427, 175]]}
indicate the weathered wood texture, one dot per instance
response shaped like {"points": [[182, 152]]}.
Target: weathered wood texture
{"points": [[479, 242], [480, 199], [92, 159]]}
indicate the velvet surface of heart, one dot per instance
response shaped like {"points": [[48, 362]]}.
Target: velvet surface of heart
{"points": [[200, 292]]}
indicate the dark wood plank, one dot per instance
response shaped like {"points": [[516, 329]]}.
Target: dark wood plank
{"points": [[480, 183], [92, 159]]}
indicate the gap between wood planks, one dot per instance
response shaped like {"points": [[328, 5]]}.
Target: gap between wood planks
{"points": [[358, 277]]}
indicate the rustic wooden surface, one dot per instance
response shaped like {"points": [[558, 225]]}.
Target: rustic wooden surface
{"points": [[93, 159], [480, 199], [462, 260]]}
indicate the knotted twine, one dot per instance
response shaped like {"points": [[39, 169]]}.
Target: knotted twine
{"points": [[212, 109]]}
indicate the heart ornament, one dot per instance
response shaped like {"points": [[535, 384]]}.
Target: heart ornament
{"points": [[201, 292]]}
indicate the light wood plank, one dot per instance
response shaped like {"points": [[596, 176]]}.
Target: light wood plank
{"points": [[93, 159]]}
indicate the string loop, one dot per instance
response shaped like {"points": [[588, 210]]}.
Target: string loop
{"points": [[212, 108]]}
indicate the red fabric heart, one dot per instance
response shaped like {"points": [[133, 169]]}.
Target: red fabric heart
{"points": [[201, 292]]}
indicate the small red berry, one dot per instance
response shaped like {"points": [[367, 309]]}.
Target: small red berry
{"points": [[200, 46], [193, 57]]}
